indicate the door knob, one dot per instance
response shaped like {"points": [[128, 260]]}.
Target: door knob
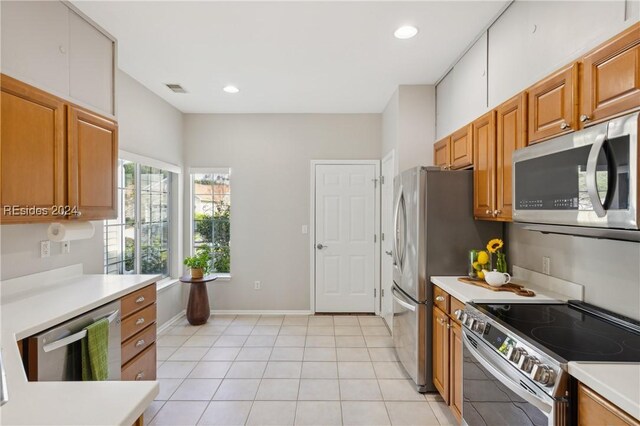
{"points": [[320, 246]]}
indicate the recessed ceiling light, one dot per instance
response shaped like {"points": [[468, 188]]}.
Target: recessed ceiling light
{"points": [[405, 32], [231, 89]]}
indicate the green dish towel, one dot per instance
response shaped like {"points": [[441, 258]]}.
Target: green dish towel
{"points": [[95, 351]]}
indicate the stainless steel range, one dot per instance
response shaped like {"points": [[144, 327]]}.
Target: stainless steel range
{"points": [[516, 355]]}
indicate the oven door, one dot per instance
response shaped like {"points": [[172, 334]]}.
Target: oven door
{"points": [[494, 393], [587, 178]]}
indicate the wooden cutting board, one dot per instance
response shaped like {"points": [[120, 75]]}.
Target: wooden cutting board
{"points": [[512, 287]]}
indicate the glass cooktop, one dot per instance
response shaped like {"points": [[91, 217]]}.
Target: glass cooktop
{"points": [[571, 330]]}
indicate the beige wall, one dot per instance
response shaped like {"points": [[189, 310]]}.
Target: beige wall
{"points": [[408, 126], [269, 156]]}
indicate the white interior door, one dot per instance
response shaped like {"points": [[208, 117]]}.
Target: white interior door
{"points": [[344, 237], [388, 172]]}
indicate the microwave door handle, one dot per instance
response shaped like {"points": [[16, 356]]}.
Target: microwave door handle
{"points": [[592, 182], [65, 341], [494, 368]]}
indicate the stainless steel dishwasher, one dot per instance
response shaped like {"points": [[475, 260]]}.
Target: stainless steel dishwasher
{"points": [[54, 354]]}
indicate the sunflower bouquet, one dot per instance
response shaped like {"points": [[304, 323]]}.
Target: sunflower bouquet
{"points": [[495, 248]]}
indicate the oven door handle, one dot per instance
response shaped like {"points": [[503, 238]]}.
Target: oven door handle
{"points": [[592, 179], [494, 368], [76, 336]]}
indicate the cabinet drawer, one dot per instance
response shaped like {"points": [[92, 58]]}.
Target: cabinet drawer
{"points": [[138, 300], [455, 305], [136, 322], [138, 342], [142, 367], [441, 299]]}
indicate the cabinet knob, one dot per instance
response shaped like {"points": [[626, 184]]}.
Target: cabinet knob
{"points": [[140, 343], [439, 298], [78, 214], [564, 125], [496, 213], [140, 321], [488, 211], [584, 118], [140, 299], [140, 375]]}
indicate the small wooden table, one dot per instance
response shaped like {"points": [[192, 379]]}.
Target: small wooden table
{"points": [[198, 311]]}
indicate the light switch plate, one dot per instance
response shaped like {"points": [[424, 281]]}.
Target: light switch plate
{"points": [[45, 248]]}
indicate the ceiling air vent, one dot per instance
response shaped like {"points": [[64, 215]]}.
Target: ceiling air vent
{"points": [[176, 88]]}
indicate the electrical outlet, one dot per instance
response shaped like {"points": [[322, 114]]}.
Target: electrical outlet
{"points": [[45, 248], [257, 285], [66, 247], [546, 265]]}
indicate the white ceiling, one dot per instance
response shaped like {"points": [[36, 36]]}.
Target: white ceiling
{"points": [[321, 57]]}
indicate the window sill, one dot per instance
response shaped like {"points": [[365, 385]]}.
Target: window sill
{"points": [[223, 277]]}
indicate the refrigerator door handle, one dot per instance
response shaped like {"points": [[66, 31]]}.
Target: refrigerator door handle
{"points": [[398, 252], [401, 302]]}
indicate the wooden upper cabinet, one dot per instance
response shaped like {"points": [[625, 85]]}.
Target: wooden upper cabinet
{"points": [[440, 348], [442, 154], [553, 105], [93, 161], [593, 409], [455, 369], [32, 152], [462, 148], [484, 162], [511, 135], [611, 78]]}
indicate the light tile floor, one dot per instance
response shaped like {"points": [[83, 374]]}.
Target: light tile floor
{"points": [[285, 370]]}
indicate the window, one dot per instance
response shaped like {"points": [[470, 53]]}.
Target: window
{"points": [[211, 209], [138, 240]]}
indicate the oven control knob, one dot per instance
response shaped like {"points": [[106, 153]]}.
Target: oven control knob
{"points": [[543, 374], [528, 362], [463, 317], [478, 327], [460, 313], [470, 322], [515, 355]]}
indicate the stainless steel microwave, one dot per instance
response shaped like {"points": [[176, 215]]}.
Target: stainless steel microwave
{"points": [[582, 183]]}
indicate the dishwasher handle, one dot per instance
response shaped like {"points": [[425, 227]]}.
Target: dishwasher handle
{"points": [[76, 336]]}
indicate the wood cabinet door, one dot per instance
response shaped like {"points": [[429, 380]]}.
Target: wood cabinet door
{"points": [[611, 78], [93, 163], [455, 370], [441, 353], [32, 153], [511, 135], [553, 105], [593, 409], [442, 153], [484, 162], [462, 148]]}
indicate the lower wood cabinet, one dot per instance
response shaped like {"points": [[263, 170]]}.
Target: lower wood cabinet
{"points": [[138, 331], [593, 409], [447, 350]]}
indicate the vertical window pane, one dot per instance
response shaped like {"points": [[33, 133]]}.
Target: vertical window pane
{"points": [[119, 235], [211, 216]]}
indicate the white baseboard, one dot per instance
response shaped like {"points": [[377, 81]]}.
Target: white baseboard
{"points": [[258, 312], [169, 323]]}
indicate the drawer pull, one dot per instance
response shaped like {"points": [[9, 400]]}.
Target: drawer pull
{"points": [[140, 375], [140, 343], [140, 299], [439, 298], [140, 321]]}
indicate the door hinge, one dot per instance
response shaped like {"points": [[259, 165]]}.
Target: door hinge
{"points": [[381, 180], [382, 236], [375, 292], [382, 292], [375, 238], [375, 182]]}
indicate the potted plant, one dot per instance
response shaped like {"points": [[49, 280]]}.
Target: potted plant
{"points": [[200, 262]]}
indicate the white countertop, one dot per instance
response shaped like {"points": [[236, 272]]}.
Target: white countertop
{"points": [[619, 383], [66, 403], [468, 292]]}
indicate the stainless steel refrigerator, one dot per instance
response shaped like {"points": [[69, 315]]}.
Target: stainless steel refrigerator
{"points": [[434, 231]]}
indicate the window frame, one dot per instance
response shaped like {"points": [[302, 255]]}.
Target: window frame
{"points": [[221, 276], [174, 213]]}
